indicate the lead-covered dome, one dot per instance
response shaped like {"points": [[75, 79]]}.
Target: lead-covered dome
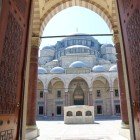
{"points": [[98, 68], [113, 68], [77, 49], [42, 70], [77, 64], [108, 49], [77, 46], [57, 70], [48, 48], [79, 36]]}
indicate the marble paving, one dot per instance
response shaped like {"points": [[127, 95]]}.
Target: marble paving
{"points": [[100, 130]]}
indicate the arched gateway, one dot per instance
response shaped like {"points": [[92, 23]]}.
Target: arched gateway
{"points": [[15, 44]]}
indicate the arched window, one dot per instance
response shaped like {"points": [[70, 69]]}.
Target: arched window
{"points": [[78, 113], [69, 113], [88, 113]]}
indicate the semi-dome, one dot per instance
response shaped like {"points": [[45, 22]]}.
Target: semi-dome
{"points": [[77, 46], [80, 49], [113, 68], [48, 47], [98, 68], [58, 70], [77, 64], [42, 70]]}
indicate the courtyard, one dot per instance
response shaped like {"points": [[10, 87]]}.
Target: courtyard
{"points": [[102, 129]]}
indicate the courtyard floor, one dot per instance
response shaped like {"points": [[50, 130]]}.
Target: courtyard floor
{"points": [[100, 130]]}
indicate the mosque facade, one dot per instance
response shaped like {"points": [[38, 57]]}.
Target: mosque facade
{"points": [[78, 70]]}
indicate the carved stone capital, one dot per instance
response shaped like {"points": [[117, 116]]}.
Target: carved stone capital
{"points": [[35, 41], [116, 39]]}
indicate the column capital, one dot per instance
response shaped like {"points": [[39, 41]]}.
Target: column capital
{"points": [[35, 41], [45, 90], [116, 39], [66, 91], [90, 90], [34, 55]]}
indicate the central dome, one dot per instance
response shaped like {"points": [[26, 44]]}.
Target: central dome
{"points": [[79, 35], [77, 64]]}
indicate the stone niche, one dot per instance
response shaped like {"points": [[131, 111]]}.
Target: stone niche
{"points": [[80, 114]]}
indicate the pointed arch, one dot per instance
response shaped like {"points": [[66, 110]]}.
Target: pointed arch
{"points": [[51, 11]]}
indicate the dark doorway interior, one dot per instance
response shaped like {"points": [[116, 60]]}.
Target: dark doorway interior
{"points": [[40, 110], [117, 109], [99, 109], [59, 108]]}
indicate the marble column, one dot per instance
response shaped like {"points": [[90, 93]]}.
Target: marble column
{"points": [[112, 99], [45, 102], [32, 88], [90, 98], [66, 98], [123, 102]]}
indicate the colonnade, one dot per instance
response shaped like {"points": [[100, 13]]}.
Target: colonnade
{"points": [[32, 92]]}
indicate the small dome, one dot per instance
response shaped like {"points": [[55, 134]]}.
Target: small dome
{"points": [[41, 70], [108, 49], [113, 68], [77, 64], [107, 45], [58, 70], [98, 68]]}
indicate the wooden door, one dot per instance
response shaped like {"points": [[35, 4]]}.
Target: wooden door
{"points": [[129, 11], [14, 19]]}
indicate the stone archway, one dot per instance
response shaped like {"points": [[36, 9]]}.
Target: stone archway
{"points": [[78, 92], [45, 10], [55, 97], [129, 14], [101, 96], [52, 10]]}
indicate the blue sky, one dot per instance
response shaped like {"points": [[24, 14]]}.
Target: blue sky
{"points": [[75, 20]]}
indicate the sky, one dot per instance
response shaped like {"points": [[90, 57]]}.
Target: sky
{"points": [[75, 20]]}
